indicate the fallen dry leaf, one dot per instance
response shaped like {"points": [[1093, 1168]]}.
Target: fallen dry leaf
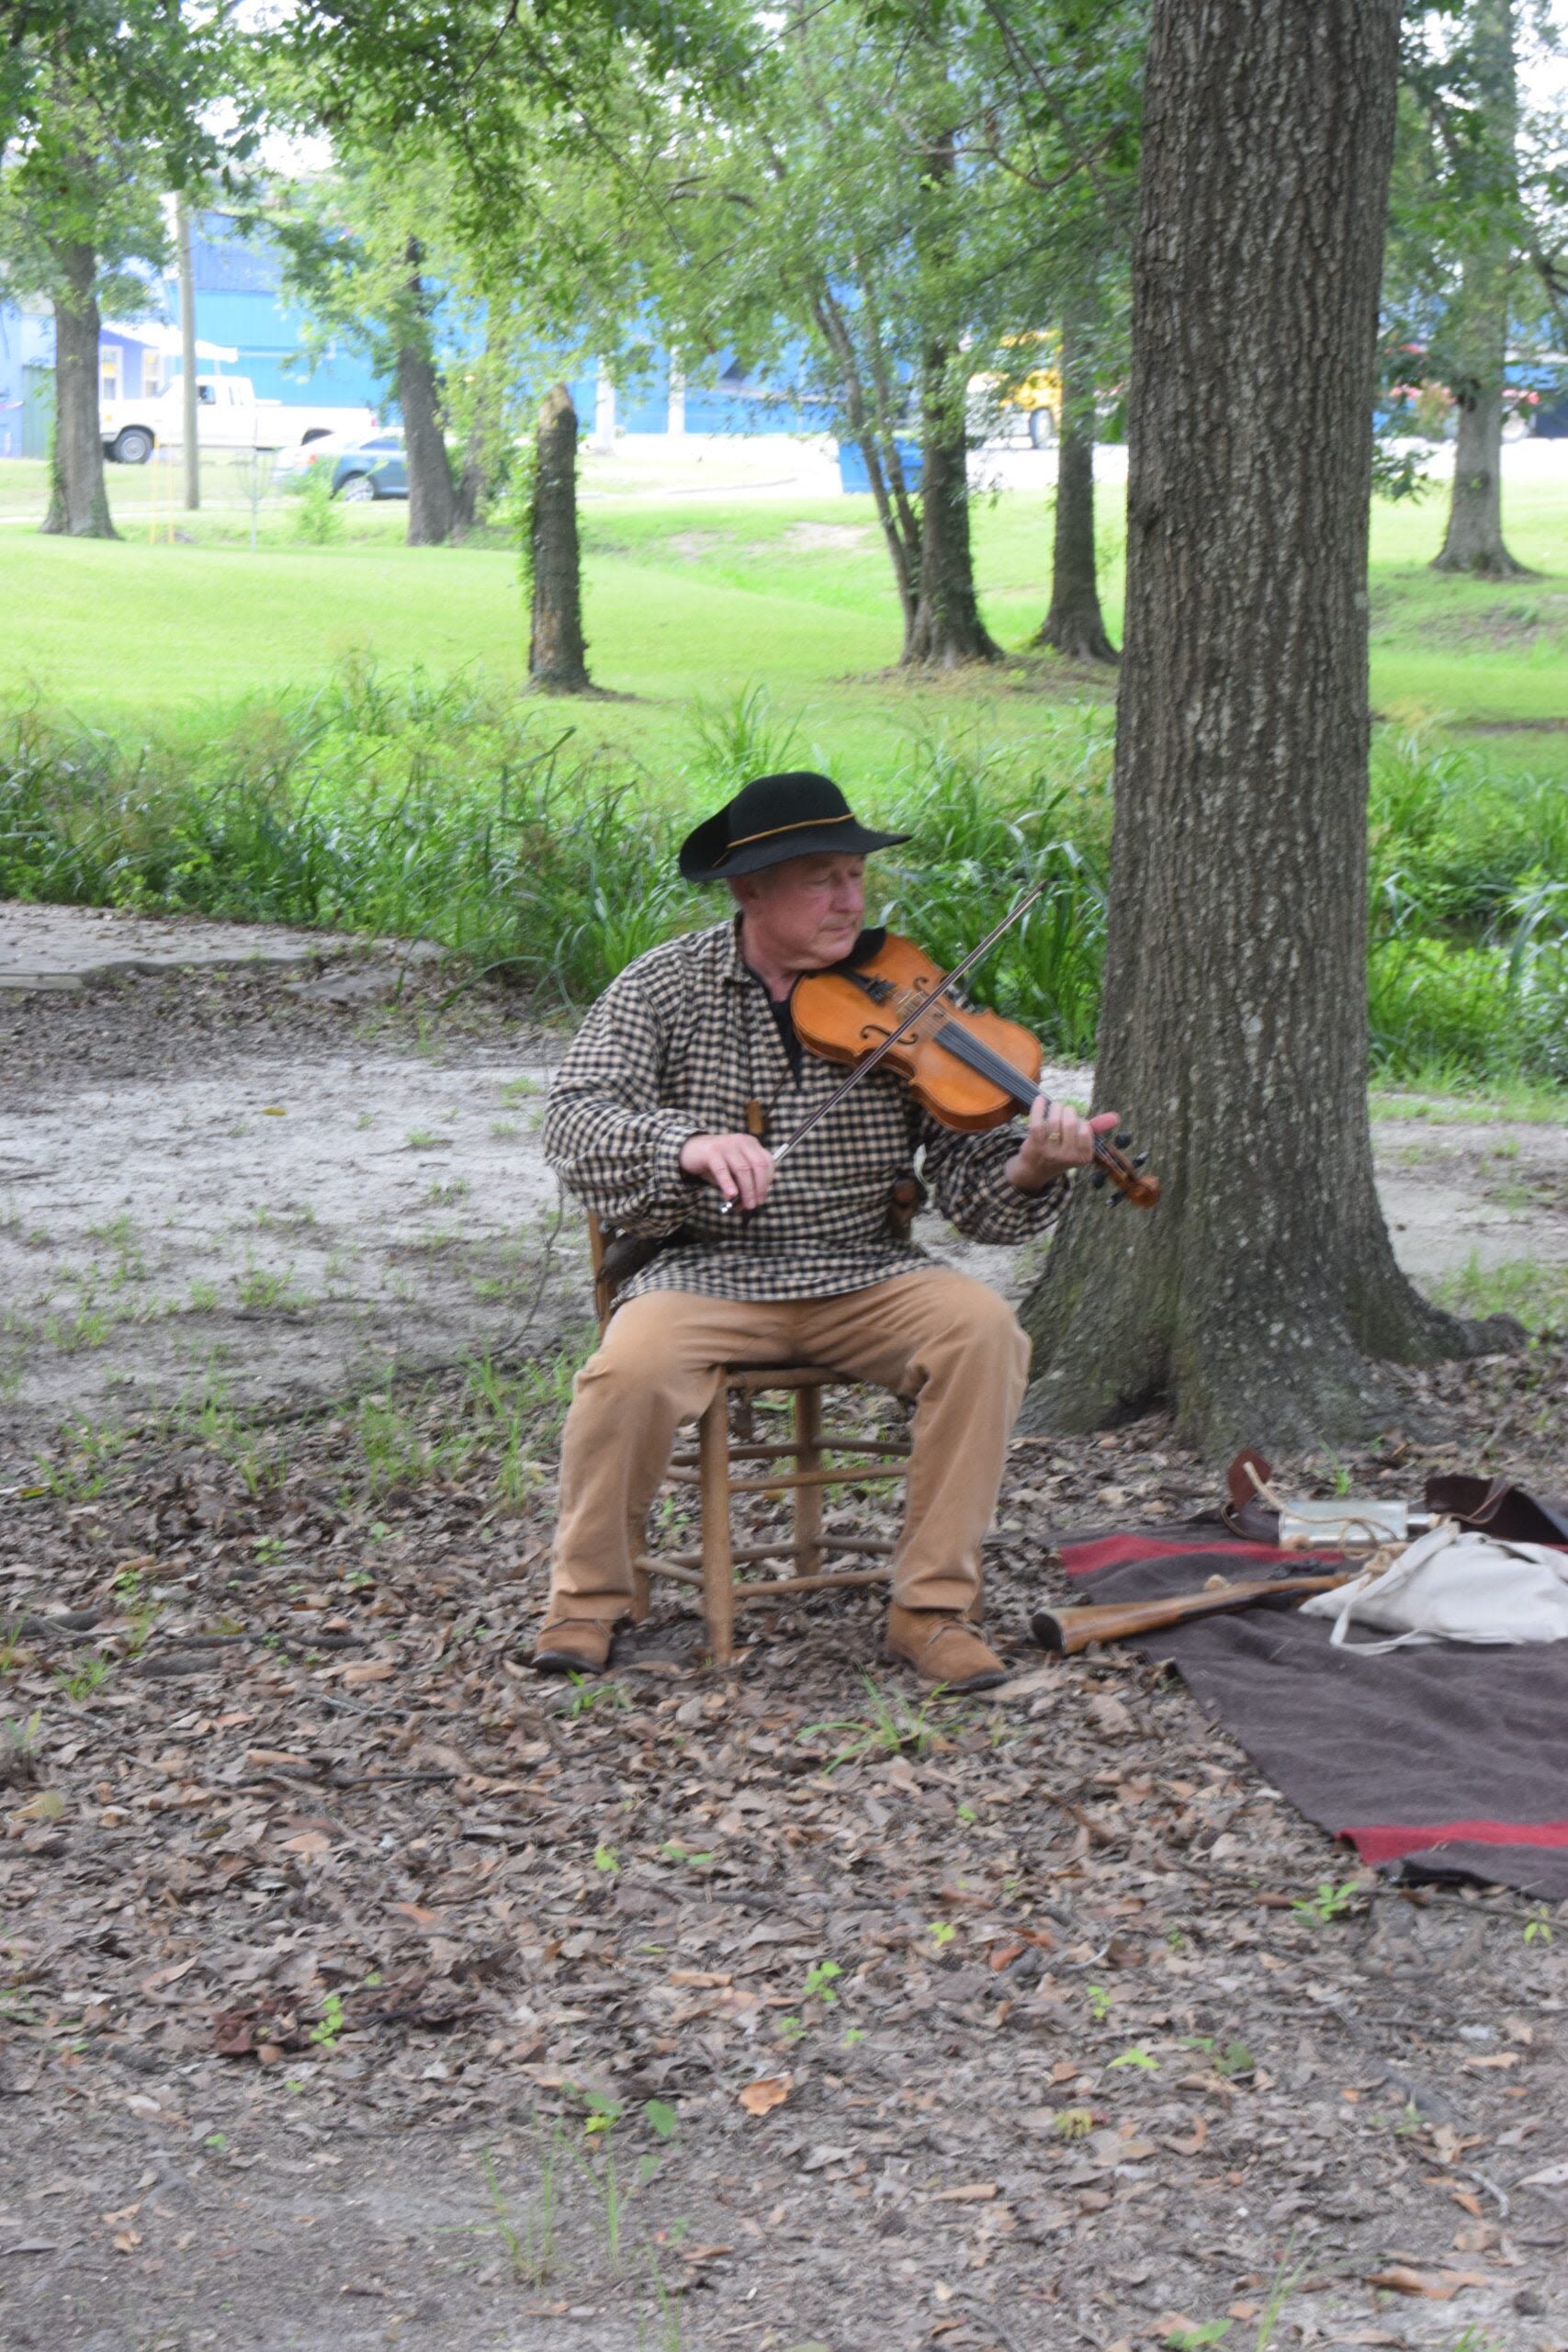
{"points": [[1440, 2286], [761, 2098], [368, 1669], [973, 2192]]}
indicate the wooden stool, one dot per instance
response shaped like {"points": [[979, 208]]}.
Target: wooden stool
{"points": [[710, 1469]]}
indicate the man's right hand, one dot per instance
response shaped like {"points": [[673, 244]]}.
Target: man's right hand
{"points": [[737, 1166]]}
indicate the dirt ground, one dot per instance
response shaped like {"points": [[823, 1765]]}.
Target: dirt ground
{"points": [[360, 1990]]}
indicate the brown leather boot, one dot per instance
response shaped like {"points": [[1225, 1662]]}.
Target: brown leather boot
{"points": [[573, 1646], [942, 1647]]}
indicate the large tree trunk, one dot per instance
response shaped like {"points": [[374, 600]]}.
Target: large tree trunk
{"points": [[945, 629], [1474, 538], [1075, 625], [1233, 1033], [558, 656], [78, 502], [432, 510]]}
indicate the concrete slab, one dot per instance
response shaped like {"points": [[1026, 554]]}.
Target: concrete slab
{"points": [[64, 947]]}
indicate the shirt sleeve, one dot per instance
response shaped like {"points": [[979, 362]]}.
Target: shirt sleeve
{"points": [[606, 1135], [967, 1175]]}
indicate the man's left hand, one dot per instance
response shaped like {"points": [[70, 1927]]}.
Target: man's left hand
{"points": [[1056, 1139]]}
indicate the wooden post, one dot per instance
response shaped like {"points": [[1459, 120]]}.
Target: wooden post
{"points": [[190, 411], [808, 1496], [718, 1564]]}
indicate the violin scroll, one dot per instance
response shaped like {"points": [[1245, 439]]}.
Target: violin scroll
{"points": [[1112, 1166]]}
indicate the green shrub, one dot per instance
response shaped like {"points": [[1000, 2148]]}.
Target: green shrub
{"points": [[455, 811], [318, 519]]}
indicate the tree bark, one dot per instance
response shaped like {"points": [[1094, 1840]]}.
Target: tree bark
{"points": [[1075, 625], [1233, 1032], [432, 503], [558, 656], [1474, 538], [481, 452], [945, 630], [78, 501]]}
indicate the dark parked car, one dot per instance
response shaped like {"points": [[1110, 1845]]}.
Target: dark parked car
{"points": [[374, 468]]}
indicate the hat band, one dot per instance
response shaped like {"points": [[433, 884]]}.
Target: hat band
{"points": [[769, 832]]}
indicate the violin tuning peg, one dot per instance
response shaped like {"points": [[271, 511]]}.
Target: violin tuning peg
{"points": [[1122, 1140], [1097, 1178], [1116, 1200], [1142, 1161]]}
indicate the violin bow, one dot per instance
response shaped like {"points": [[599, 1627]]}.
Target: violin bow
{"points": [[863, 1067]]}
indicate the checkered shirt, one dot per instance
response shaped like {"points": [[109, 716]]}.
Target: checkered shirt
{"points": [[675, 1047]]}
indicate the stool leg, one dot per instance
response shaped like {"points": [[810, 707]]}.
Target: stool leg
{"points": [[808, 1499], [718, 1563]]}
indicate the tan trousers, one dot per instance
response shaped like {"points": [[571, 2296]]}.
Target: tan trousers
{"points": [[938, 1338]]}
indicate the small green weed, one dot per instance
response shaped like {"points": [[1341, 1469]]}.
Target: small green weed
{"points": [[1330, 1902], [1137, 2056], [891, 1727], [79, 1682], [1230, 2059], [328, 2029], [590, 1696]]}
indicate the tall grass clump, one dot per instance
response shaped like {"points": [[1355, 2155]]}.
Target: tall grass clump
{"points": [[409, 807], [1468, 957], [400, 808]]}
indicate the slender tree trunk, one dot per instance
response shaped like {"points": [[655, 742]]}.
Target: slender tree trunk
{"points": [[1474, 538], [945, 630], [1233, 1032], [558, 656], [899, 530], [432, 504], [78, 502], [1075, 625], [480, 452]]}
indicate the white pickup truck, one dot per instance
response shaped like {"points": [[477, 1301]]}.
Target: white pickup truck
{"points": [[229, 416]]}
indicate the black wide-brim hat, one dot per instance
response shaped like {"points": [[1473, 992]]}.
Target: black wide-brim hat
{"points": [[797, 814]]}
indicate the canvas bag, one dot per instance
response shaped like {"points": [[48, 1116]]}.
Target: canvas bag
{"points": [[1453, 1585]]}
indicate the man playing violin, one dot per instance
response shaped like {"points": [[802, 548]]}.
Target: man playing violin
{"points": [[663, 1120]]}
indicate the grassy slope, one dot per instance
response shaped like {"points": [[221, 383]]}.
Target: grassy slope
{"points": [[702, 598]]}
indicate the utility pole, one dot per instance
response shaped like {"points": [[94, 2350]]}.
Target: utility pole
{"points": [[187, 357]]}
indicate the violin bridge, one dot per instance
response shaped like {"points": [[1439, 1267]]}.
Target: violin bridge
{"points": [[756, 1119]]}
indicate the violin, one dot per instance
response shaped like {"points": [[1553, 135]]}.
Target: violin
{"points": [[970, 1070]]}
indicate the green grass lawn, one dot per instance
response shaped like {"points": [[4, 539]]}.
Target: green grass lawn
{"points": [[700, 599]]}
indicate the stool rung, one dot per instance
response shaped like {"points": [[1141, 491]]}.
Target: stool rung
{"points": [[830, 1441], [673, 1569], [851, 1478], [745, 1553], [771, 1588]]}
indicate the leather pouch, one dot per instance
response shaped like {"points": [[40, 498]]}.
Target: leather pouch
{"points": [[1499, 1507]]}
